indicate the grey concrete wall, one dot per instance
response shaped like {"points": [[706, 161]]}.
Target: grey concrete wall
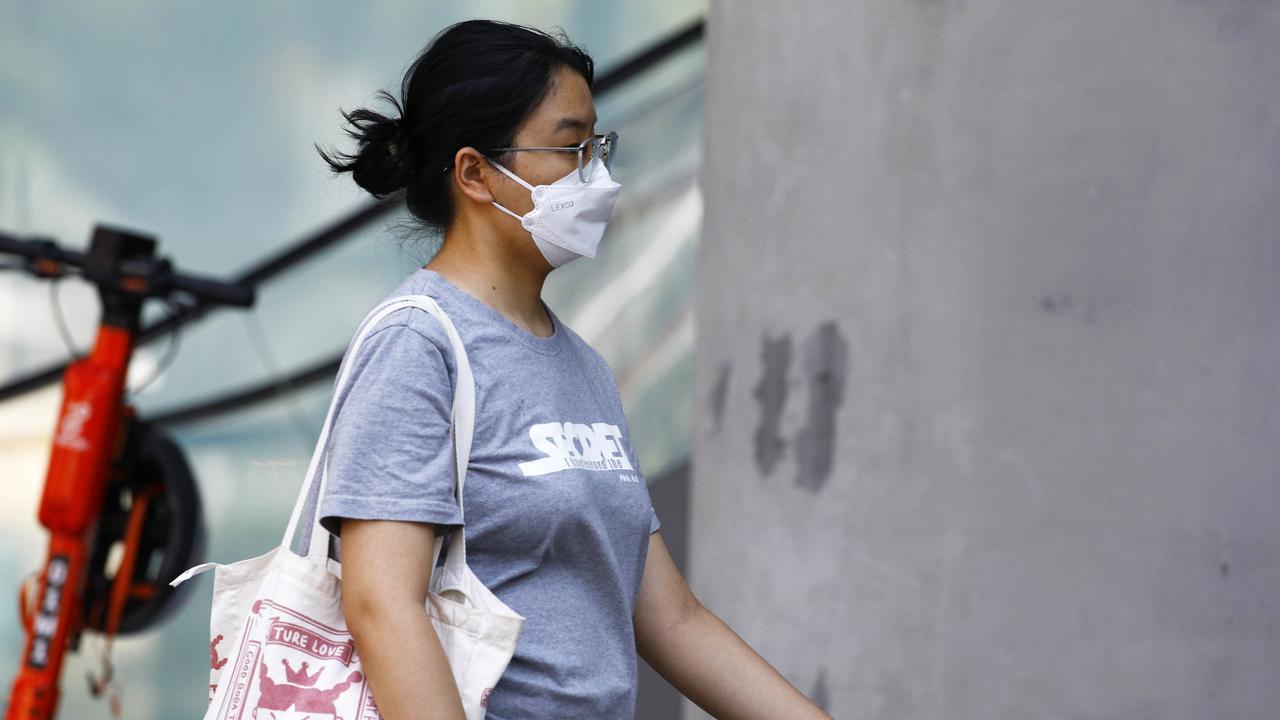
{"points": [[989, 355]]}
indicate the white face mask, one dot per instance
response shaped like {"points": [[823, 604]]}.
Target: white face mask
{"points": [[568, 216]]}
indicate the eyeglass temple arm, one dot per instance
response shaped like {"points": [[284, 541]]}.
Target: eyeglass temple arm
{"points": [[561, 149], [572, 148]]}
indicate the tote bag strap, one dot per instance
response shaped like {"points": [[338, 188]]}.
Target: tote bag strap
{"points": [[462, 427]]}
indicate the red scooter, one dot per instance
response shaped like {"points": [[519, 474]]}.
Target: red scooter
{"points": [[121, 506]]}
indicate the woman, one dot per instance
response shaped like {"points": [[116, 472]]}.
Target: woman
{"points": [[559, 521]]}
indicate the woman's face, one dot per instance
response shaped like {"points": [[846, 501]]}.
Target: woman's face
{"points": [[565, 117]]}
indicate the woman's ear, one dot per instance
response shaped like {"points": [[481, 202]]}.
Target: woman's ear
{"points": [[471, 173]]}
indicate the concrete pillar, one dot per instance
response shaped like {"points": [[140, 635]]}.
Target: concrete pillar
{"points": [[988, 382]]}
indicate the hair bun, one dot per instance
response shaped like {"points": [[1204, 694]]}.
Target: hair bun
{"points": [[397, 136]]}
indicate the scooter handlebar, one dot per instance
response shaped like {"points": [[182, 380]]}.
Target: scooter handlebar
{"points": [[160, 276]]}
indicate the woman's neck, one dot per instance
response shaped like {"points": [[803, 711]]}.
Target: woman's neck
{"points": [[504, 282]]}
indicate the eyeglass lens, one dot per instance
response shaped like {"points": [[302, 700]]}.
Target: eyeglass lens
{"points": [[606, 146]]}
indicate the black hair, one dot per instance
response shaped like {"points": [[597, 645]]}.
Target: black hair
{"points": [[474, 84]]}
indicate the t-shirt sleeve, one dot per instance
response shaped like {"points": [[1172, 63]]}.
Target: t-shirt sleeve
{"points": [[390, 449]]}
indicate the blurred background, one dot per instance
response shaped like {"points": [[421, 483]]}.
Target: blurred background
{"points": [[958, 397], [196, 124]]}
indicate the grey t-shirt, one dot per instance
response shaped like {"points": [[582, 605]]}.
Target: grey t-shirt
{"points": [[558, 514]]}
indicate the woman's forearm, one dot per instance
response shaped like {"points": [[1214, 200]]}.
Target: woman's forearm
{"points": [[408, 672], [708, 663]]}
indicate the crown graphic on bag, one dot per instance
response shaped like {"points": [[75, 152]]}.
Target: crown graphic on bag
{"points": [[299, 676]]}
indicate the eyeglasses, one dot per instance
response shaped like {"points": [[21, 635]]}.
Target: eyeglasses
{"points": [[603, 146]]}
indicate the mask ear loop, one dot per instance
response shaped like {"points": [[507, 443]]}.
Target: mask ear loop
{"points": [[513, 176], [518, 217], [510, 174]]}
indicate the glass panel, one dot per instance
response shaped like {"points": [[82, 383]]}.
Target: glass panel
{"points": [[254, 186]]}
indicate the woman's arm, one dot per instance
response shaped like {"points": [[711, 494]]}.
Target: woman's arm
{"points": [[701, 656], [384, 595]]}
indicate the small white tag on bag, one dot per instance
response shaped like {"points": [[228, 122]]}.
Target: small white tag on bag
{"points": [[279, 647]]}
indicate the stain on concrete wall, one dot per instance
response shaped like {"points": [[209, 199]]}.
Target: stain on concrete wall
{"points": [[826, 363], [719, 392], [1061, 304], [819, 693], [771, 393]]}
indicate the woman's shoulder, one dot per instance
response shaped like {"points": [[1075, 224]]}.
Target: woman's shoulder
{"points": [[401, 336], [413, 318]]}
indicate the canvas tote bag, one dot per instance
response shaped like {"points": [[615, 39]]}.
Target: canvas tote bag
{"points": [[279, 646]]}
